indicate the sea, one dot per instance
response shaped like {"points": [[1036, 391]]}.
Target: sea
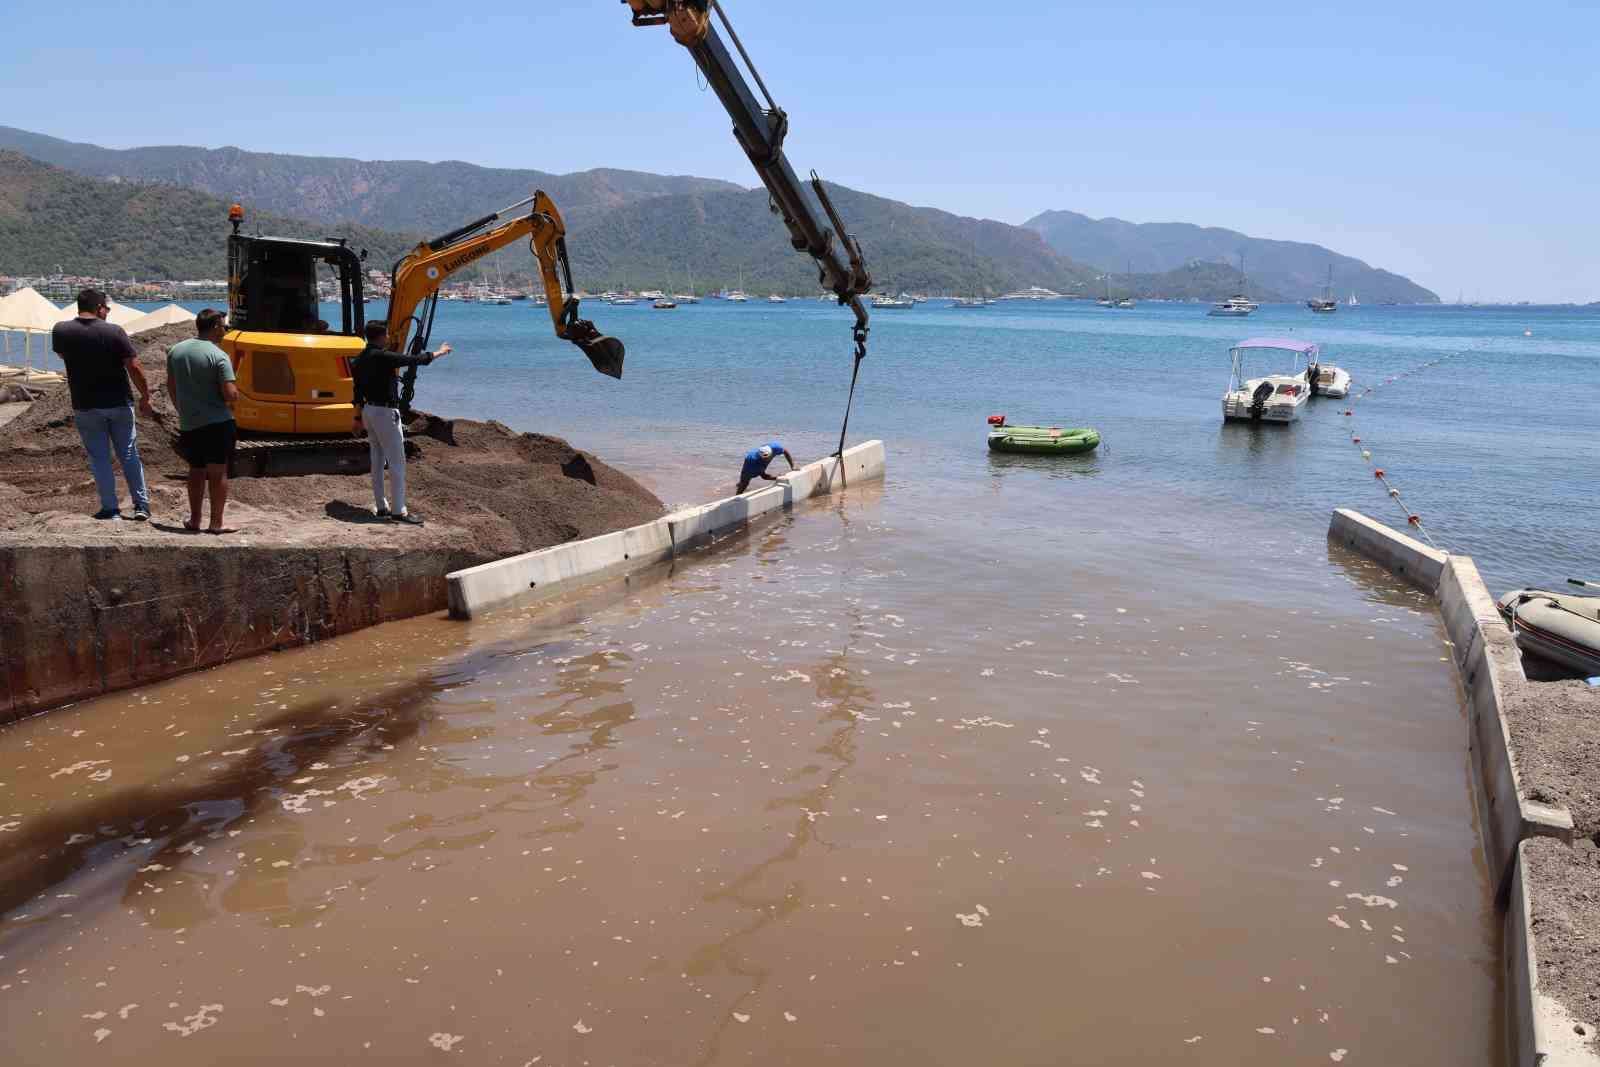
{"points": [[1027, 760], [1476, 415]]}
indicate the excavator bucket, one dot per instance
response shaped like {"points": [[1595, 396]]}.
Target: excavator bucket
{"points": [[605, 353]]}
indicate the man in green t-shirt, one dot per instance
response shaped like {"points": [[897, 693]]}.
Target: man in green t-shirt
{"points": [[201, 384]]}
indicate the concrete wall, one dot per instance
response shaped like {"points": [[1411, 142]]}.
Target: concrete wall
{"points": [[1491, 667], [478, 589], [123, 615], [1539, 1031], [1404, 556]]}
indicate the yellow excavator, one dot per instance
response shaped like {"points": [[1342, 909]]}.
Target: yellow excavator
{"points": [[293, 368]]}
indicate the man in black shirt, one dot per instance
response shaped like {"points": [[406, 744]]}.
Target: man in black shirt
{"points": [[377, 401], [100, 359]]}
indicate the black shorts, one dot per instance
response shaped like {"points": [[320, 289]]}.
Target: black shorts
{"points": [[208, 444]]}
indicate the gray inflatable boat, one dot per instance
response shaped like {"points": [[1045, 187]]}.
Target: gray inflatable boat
{"points": [[1557, 627]]}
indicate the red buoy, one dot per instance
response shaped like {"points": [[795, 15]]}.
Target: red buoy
{"points": [[1378, 473], [1415, 520]]}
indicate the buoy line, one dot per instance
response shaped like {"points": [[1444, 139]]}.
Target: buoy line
{"points": [[1413, 519]]}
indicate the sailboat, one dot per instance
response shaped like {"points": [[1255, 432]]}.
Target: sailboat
{"points": [[1127, 301], [973, 301], [1327, 305], [1238, 305], [688, 297], [1105, 301], [1352, 302], [738, 296]]}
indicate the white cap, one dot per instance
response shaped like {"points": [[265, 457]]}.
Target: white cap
{"points": [[765, 452]]}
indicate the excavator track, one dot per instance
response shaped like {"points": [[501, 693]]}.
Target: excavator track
{"points": [[287, 457]]}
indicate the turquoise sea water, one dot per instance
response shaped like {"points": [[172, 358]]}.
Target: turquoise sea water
{"points": [[1495, 448]]}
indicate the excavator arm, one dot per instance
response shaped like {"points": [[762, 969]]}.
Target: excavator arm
{"points": [[760, 132], [420, 272]]}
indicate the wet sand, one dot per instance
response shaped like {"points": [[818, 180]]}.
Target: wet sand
{"points": [[877, 783]]}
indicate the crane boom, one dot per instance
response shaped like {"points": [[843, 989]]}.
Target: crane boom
{"points": [[760, 131]]}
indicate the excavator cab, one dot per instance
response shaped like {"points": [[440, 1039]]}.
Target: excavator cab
{"points": [[292, 366]]}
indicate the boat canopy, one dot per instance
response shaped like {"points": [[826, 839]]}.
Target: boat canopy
{"points": [[1305, 348]]}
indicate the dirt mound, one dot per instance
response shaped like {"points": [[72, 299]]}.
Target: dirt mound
{"points": [[482, 487]]}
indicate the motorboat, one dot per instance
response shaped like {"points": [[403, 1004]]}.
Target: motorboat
{"points": [[623, 301], [969, 302], [685, 298], [1238, 305], [1032, 292], [774, 298], [1329, 380], [1040, 440], [1235, 307], [890, 303], [1277, 398], [1561, 628], [652, 294], [661, 303], [737, 296], [1125, 302]]}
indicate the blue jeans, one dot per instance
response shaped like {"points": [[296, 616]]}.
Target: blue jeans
{"points": [[106, 432]]}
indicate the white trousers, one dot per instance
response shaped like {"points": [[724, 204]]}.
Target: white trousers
{"points": [[385, 442]]}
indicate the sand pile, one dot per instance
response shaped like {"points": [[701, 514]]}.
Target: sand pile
{"points": [[481, 487]]}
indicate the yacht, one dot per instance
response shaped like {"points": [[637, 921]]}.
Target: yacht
{"points": [[774, 298], [884, 302], [737, 296], [685, 298], [1238, 305], [1235, 307], [969, 302], [1032, 292], [1276, 398], [652, 294]]}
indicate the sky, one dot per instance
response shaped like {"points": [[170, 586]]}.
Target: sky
{"points": [[1455, 143]]}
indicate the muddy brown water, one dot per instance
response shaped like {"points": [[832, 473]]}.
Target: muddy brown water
{"points": [[872, 783]]}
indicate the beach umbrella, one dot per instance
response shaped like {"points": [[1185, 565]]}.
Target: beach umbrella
{"points": [[170, 315], [28, 313], [122, 314]]}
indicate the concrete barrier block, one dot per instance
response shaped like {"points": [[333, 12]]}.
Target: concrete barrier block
{"points": [[647, 544], [1402, 555], [802, 483], [1541, 1032], [1491, 669], [476, 589]]}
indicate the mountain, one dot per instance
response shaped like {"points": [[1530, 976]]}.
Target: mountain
{"points": [[392, 194], [1293, 268], [1192, 281], [51, 218], [726, 239]]}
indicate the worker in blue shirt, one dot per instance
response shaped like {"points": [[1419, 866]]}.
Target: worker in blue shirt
{"points": [[756, 460]]}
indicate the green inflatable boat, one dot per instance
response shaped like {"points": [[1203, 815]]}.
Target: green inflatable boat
{"points": [[1040, 440]]}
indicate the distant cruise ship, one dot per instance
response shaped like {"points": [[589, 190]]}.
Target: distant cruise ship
{"points": [[1032, 292]]}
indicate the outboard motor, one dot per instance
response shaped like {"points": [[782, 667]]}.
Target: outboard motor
{"points": [[1313, 372], [1258, 400]]}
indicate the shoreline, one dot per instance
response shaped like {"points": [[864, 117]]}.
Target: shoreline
{"points": [[1540, 819]]}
